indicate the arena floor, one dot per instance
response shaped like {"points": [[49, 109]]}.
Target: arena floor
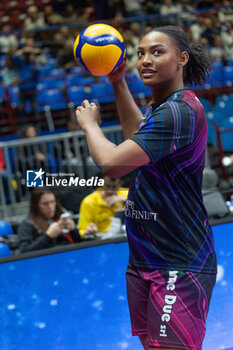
{"points": [[76, 300]]}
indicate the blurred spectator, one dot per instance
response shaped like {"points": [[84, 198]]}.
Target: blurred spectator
{"points": [[25, 60], [10, 71], [37, 50], [34, 19], [227, 40], [51, 17], [65, 56], [197, 28], [210, 31], [204, 43], [136, 29], [98, 207], [226, 14], [44, 227], [131, 50], [187, 18], [66, 33], [7, 40], [168, 8], [57, 44], [217, 51], [133, 8], [31, 156], [70, 14]]}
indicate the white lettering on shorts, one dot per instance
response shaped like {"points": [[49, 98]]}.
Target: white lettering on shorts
{"points": [[169, 300]]}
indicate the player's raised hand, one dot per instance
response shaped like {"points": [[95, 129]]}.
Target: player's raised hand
{"points": [[118, 75]]}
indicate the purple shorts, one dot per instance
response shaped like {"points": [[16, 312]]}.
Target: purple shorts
{"points": [[169, 307]]}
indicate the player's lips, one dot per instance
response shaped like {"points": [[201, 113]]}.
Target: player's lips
{"points": [[147, 73]]}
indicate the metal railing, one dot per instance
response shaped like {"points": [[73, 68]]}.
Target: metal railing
{"points": [[66, 152]]}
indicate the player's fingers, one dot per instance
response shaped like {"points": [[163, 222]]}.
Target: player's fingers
{"points": [[85, 103]]}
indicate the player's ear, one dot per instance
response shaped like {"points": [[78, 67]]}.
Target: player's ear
{"points": [[183, 58]]}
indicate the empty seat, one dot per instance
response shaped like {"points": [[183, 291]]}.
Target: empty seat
{"points": [[103, 93], [4, 250], [6, 228], [77, 95]]}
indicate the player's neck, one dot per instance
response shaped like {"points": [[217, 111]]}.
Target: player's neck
{"points": [[161, 92]]}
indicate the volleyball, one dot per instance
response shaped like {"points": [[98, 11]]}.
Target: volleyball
{"points": [[99, 49]]}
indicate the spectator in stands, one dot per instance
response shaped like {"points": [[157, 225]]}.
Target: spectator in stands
{"points": [[210, 31], [133, 8], [197, 28], [65, 56], [44, 227], [66, 33], [227, 40], [169, 8], [7, 41], [217, 52], [31, 156], [70, 14], [51, 17], [98, 207], [131, 50], [10, 71], [34, 19], [57, 44], [25, 60], [226, 14]]}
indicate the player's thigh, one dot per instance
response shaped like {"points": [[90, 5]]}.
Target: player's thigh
{"points": [[177, 309], [137, 294]]}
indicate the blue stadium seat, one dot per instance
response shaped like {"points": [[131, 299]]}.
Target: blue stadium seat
{"points": [[77, 80], [2, 92], [228, 75], [55, 99], [206, 104], [4, 250], [103, 93], [224, 98], [227, 138], [14, 95], [77, 70], [137, 88], [58, 71], [51, 83], [216, 116], [77, 95], [6, 229]]}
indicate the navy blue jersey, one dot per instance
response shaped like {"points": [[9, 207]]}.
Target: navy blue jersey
{"points": [[167, 223]]}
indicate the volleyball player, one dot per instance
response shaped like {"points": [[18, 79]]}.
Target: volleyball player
{"points": [[172, 263]]}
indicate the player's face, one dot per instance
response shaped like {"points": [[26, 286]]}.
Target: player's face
{"points": [[47, 205], [158, 59]]}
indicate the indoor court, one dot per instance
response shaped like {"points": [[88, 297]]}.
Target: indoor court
{"points": [[77, 300]]}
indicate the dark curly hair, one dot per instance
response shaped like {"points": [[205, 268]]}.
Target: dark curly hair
{"points": [[199, 64]]}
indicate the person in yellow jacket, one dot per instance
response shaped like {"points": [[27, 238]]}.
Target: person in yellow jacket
{"points": [[97, 208]]}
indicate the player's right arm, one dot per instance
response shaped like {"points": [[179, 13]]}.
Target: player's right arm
{"points": [[129, 113]]}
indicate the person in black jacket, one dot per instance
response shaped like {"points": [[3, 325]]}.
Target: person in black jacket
{"points": [[44, 227]]}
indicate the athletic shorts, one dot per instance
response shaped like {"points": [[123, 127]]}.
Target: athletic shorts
{"points": [[169, 307]]}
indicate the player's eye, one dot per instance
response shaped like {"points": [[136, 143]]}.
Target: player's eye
{"points": [[140, 54], [157, 52]]}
